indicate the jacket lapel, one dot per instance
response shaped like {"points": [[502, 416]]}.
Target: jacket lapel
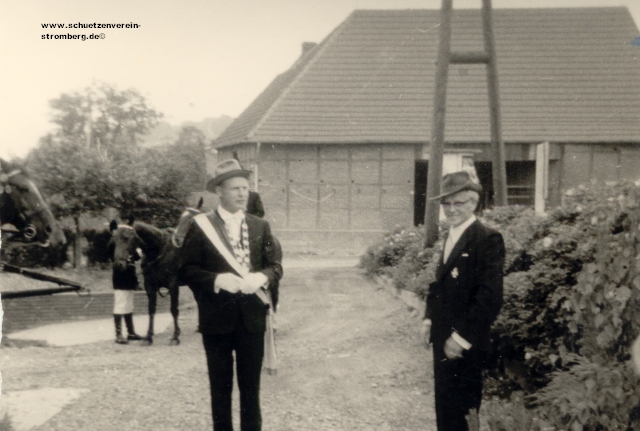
{"points": [[457, 249], [440, 268], [218, 225]]}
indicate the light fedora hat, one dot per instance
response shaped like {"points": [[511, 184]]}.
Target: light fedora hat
{"points": [[457, 182], [224, 170]]}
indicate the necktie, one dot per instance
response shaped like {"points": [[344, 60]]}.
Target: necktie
{"points": [[240, 243], [448, 246]]}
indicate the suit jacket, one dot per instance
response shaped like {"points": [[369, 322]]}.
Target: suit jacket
{"points": [[467, 294], [223, 312]]}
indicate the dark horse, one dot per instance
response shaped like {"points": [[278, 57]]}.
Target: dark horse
{"points": [[22, 206], [160, 264]]}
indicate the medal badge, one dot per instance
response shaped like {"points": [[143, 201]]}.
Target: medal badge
{"points": [[455, 273]]}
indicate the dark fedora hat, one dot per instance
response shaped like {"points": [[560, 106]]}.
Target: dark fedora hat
{"points": [[457, 182], [225, 170]]}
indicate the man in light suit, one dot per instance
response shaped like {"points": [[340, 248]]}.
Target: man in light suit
{"points": [[462, 304], [231, 316]]}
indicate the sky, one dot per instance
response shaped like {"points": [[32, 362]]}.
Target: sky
{"points": [[191, 59]]}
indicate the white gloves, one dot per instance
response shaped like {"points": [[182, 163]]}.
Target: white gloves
{"points": [[232, 283], [254, 281], [229, 282]]}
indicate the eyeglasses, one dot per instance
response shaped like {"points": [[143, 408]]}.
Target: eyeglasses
{"points": [[456, 205]]}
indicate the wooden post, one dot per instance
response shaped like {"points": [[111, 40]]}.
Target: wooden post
{"points": [[497, 145], [77, 245], [256, 171], [434, 176], [542, 172]]}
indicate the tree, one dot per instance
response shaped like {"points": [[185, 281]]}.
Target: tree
{"points": [[103, 117], [92, 160], [188, 157]]}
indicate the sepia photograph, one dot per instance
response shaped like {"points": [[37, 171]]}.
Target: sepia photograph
{"points": [[306, 215]]}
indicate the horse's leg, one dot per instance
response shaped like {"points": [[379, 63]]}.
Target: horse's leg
{"points": [[175, 295], [151, 296]]}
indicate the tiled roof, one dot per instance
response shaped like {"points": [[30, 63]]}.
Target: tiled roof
{"points": [[565, 75]]}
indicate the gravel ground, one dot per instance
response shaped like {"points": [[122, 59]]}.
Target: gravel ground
{"points": [[350, 359]]}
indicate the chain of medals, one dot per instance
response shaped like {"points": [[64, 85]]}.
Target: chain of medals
{"points": [[241, 247]]}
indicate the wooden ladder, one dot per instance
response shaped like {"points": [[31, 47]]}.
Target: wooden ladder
{"points": [[446, 57]]}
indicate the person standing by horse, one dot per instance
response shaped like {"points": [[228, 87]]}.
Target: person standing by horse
{"points": [[229, 260], [254, 203], [125, 282]]}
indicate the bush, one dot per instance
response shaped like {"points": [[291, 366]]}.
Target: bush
{"points": [[590, 396], [32, 255], [387, 253], [513, 416], [97, 246]]}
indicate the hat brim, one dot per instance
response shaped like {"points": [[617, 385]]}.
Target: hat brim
{"points": [[214, 182], [471, 187]]}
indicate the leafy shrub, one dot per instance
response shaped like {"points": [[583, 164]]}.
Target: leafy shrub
{"points": [[97, 251], [387, 253], [32, 255], [513, 416], [590, 396], [577, 287]]}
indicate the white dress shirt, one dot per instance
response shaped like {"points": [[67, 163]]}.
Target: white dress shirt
{"points": [[233, 222], [454, 235]]}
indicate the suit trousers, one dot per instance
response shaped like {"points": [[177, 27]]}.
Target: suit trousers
{"points": [[458, 388], [249, 349]]}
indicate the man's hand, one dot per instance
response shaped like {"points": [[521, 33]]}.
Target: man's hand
{"points": [[452, 349], [253, 281], [229, 282], [426, 332]]}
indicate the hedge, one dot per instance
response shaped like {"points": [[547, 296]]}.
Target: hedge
{"points": [[572, 291]]}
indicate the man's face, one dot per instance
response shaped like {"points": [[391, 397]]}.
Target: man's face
{"points": [[234, 194], [459, 207]]}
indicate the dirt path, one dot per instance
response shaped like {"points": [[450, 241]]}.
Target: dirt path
{"points": [[350, 359]]}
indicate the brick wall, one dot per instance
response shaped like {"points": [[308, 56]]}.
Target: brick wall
{"points": [[25, 313]]}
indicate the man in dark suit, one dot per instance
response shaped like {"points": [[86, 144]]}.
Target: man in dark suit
{"points": [[462, 304], [231, 315]]}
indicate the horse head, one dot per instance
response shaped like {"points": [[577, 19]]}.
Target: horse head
{"points": [[22, 205], [177, 239], [125, 244]]}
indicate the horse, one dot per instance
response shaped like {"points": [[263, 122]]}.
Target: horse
{"points": [[160, 265], [22, 206], [179, 233]]}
